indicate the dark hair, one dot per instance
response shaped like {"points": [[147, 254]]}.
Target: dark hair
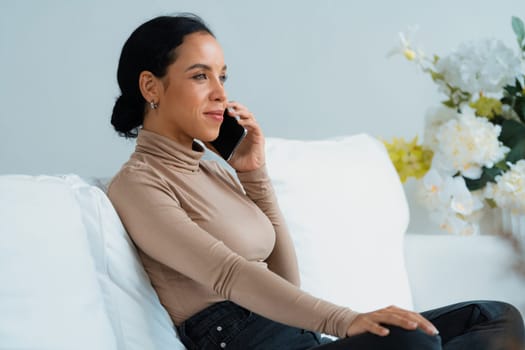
{"points": [[151, 47]]}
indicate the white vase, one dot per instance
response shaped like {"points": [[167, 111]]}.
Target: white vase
{"points": [[513, 223]]}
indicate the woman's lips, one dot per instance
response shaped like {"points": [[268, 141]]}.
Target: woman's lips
{"points": [[216, 115]]}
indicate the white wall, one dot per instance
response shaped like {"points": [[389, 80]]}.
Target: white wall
{"points": [[308, 69]]}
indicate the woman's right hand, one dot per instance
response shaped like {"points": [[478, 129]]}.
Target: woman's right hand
{"points": [[374, 322]]}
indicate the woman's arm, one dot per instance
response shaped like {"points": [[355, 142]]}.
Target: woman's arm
{"points": [[283, 260], [249, 162], [161, 228]]}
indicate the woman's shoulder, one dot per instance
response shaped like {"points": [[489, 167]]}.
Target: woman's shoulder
{"points": [[135, 172]]}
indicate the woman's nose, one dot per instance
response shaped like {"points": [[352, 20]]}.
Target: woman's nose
{"points": [[218, 92]]}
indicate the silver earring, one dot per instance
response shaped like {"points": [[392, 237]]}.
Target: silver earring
{"points": [[153, 105]]}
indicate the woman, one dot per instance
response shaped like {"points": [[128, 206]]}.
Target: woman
{"points": [[218, 251]]}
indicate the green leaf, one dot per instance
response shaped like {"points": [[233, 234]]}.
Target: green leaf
{"points": [[488, 174], [511, 90], [502, 165], [517, 152], [512, 132], [491, 202], [436, 76], [518, 85], [449, 103], [497, 120], [507, 100], [519, 29]]}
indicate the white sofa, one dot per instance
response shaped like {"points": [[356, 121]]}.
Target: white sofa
{"points": [[70, 277]]}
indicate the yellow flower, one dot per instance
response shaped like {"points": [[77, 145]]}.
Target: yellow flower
{"points": [[487, 107], [409, 158]]}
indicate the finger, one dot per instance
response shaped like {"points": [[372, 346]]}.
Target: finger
{"points": [[247, 121], [426, 325], [239, 110], [396, 319], [240, 113], [413, 320], [377, 329], [236, 108], [232, 112], [417, 318], [243, 114], [251, 125], [235, 105]]}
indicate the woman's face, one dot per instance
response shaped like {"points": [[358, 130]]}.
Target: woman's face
{"points": [[192, 97]]}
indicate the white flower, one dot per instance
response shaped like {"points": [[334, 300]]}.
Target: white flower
{"points": [[434, 119], [431, 191], [405, 46], [452, 223], [449, 192], [451, 204], [509, 190], [466, 144], [462, 201], [483, 66]]}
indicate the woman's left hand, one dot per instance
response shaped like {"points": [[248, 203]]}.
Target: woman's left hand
{"points": [[249, 155]]}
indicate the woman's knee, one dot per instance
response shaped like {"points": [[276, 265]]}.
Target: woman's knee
{"points": [[512, 317], [512, 314], [414, 339], [501, 311], [510, 322]]}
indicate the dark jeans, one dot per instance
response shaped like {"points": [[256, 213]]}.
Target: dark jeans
{"points": [[476, 325]]}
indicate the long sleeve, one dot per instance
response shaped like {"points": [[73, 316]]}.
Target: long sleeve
{"points": [[283, 259], [161, 227]]}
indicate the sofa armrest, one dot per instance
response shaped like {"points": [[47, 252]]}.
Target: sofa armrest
{"points": [[445, 269]]}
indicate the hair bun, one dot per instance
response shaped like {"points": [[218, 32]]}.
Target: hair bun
{"points": [[127, 116]]}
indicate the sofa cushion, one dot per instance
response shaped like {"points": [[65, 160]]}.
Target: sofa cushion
{"points": [[50, 297], [136, 314], [347, 215]]}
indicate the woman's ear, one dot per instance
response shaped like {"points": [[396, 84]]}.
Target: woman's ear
{"points": [[150, 86]]}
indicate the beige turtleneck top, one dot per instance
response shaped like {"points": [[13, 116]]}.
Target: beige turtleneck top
{"points": [[203, 238]]}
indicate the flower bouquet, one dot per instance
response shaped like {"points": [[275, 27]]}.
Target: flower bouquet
{"points": [[472, 157]]}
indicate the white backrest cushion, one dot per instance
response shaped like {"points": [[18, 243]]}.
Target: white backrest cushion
{"points": [[136, 314], [49, 294], [347, 214]]}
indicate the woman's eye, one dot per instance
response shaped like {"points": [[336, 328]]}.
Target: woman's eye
{"points": [[200, 76]]}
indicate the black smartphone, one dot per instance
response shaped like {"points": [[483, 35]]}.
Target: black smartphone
{"points": [[230, 136]]}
